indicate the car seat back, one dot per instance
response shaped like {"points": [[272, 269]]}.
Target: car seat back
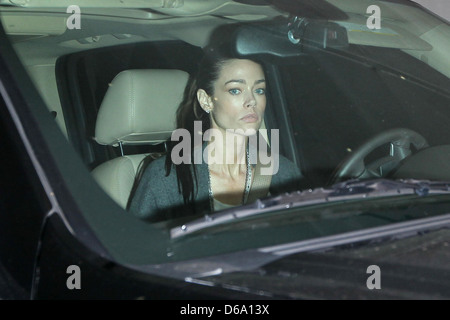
{"points": [[139, 108]]}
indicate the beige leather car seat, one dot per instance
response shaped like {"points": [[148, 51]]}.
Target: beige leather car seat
{"points": [[138, 108]]}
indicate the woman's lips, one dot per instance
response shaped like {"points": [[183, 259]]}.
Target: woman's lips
{"points": [[250, 118]]}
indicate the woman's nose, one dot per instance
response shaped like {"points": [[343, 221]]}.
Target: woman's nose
{"points": [[250, 101]]}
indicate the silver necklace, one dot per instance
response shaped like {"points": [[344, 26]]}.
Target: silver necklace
{"points": [[248, 183]]}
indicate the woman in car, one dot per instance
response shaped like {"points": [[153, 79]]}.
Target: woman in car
{"points": [[218, 162]]}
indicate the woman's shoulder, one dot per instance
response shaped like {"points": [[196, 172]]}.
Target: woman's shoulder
{"points": [[156, 171], [153, 174], [155, 167], [287, 177], [286, 166], [158, 161]]}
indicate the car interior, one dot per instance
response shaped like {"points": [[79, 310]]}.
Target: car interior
{"points": [[89, 95], [113, 84]]}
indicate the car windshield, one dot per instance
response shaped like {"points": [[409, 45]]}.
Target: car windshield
{"points": [[351, 97]]}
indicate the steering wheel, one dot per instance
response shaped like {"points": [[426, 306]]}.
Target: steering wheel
{"points": [[400, 140]]}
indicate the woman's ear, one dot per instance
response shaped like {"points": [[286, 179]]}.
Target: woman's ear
{"points": [[204, 100]]}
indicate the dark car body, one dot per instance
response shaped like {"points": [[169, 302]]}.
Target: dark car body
{"points": [[62, 237]]}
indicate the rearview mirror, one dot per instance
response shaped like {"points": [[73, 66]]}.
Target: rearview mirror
{"points": [[285, 39]]}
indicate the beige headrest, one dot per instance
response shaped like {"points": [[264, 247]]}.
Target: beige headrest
{"points": [[140, 107]]}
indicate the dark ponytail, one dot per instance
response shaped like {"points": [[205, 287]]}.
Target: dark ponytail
{"points": [[188, 112]]}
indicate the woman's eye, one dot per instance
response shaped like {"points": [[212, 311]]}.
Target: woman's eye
{"points": [[260, 91], [234, 91]]}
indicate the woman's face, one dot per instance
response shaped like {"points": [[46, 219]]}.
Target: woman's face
{"points": [[239, 97]]}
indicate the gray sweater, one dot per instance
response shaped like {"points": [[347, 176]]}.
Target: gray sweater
{"points": [[157, 197]]}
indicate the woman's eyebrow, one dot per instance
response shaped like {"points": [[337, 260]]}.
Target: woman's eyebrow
{"points": [[243, 81], [235, 80]]}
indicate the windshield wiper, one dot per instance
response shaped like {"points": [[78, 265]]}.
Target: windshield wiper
{"points": [[348, 190]]}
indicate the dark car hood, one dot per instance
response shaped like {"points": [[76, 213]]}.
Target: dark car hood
{"points": [[410, 268]]}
